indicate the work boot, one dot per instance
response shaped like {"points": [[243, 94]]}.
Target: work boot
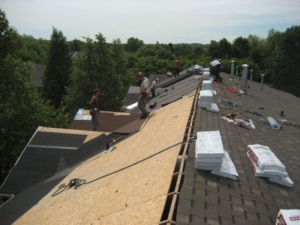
{"points": [[143, 116]]}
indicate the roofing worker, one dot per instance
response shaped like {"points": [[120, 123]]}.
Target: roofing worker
{"points": [[153, 88], [94, 108], [177, 67], [216, 70], [144, 96]]}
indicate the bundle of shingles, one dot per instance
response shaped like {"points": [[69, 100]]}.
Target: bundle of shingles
{"points": [[206, 74], [288, 217], [264, 163], [206, 97], [211, 156]]}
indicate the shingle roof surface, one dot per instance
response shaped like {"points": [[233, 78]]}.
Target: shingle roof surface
{"points": [[39, 160], [210, 199], [172, 93]]}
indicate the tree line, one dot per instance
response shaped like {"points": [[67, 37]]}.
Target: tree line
{"points": [[68, 83]]}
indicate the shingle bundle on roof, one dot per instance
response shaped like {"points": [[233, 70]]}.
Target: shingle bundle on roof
{"points": [[205, 98], [288, 217], [264, 163], [227, 168], [206, 75], [213, 108], [207, 85], [210, 155]]}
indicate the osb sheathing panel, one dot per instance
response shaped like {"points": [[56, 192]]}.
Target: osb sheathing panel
{"points": [[134, 195], [90, 134], [87, 112]]}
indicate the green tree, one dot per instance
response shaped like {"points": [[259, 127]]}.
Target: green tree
{"points": [[75, 45], [56, 75], [214, 49], [119, 58], [284, 63], [257, 46], [34, 50], [171, 48], [133, 44], [21, 109], [241, 47], [225, 48], [198, 51], [95, 68]]}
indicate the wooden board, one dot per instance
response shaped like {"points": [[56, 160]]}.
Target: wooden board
{"points": [[136, 190], [87, 112]]}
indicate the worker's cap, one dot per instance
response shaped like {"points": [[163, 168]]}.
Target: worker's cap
{"points": [[157, 79], [140, 74], [96, 90]]}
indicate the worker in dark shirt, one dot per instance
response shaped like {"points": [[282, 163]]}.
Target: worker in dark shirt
{"points": [[94, 108]]}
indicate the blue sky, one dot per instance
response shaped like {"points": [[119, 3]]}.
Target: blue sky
{"points": [[165, 21]]}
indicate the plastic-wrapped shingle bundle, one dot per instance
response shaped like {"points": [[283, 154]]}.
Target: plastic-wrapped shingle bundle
{"points": [[265, 158], [213, 108], [206, 75], [209, 150], [207, 85], [210, 155], [227, 168], [205, 98], [265, 164], [288, 217]]}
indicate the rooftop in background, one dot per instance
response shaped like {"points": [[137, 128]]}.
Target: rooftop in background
{"points": [[37, 74]]}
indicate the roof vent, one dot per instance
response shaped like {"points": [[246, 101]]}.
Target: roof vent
{"points": [[244, 78]]}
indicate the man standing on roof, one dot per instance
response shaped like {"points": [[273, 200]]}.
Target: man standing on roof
{"points": [[94, 108], [177, 67], [216, 70], [144, 96], [153, 87]]}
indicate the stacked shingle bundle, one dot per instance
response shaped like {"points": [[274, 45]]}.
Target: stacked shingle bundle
{"points": [[264, 163], [207, 85], [213, 108], [210, 155], [206, 75], [227, 168], [205, 98], [288, 217]]}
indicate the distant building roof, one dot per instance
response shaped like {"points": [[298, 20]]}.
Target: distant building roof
{"points": [[37, 74]]}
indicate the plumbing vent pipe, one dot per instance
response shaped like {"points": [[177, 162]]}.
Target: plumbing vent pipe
{"points": [[232, 69], [244, 77], [262, 81], [251, 75]]}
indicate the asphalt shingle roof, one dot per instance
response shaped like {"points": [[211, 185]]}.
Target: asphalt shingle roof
{"points": [[209, 199], [203, 198]]}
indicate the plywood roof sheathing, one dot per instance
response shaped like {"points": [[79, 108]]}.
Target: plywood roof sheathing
{"points": [[134, 195]]}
